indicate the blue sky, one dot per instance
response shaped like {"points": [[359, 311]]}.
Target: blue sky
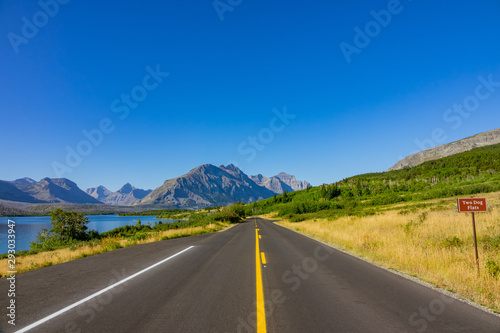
{"points": [[268, 87]]}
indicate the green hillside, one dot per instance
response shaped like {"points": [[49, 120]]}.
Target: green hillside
{"points": [[468, 173]]}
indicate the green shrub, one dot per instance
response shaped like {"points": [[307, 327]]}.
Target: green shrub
{"points": [[138, 237], [69, 225], [68, 230], [127, 230], [412, 224], [450, 242], [492, 242], [47, 241], [492, 268]]}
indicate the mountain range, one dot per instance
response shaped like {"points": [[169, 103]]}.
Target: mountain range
{"points": [[280, 183], [204, 186], [126, 195], [47, 190], [208, 185], [479, 140]]}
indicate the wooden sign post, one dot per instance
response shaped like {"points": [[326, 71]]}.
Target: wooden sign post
{"points": [[473, 205]]}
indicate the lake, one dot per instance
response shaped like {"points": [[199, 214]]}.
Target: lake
{"points": [[28, 227]]}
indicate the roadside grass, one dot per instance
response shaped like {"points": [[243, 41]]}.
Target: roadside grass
{"points": [[429, 240], [271, 216], [49, 258]]}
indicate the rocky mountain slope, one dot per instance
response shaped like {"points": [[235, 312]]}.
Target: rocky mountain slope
{"points": [[207, 185], [25, 180], [47, 190], [126, 195], [99, 192], [9, 191], [452, 148], [280, 183]]}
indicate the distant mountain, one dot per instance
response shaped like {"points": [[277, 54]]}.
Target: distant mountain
{"points": [[9, 191], [126, 195], [237, 173], [291, 181], [475, 141], [25, 180], [100, 192], [47, 190], [204, 186], [280, 183], [207, 185], [274, 184], [59, 190]]}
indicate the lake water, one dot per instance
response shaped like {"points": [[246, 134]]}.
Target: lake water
{"points": [[28, 227]]}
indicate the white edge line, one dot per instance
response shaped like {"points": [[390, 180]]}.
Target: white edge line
{"points": [[69, 307], [415, 279]]}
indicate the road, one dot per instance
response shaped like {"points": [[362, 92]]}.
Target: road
{"points": [[221, 282]]}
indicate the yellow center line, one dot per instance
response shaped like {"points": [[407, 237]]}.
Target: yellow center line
{"points": [[263, 258], [261, 314]]}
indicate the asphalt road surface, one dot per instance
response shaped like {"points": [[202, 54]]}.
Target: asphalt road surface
{"points": [[254, 277]]}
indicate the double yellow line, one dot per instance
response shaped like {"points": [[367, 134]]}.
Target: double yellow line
{"points": [[261, 310]]}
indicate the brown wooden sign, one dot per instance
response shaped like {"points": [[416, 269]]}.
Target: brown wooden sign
{"points": [[472, 205]]}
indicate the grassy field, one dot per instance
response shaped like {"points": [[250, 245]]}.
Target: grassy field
{"points": [[43, 259], [429, 240]]}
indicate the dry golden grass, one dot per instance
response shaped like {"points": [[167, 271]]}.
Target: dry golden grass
{"points": [[271, 216], [424, 250], [43, 259]]}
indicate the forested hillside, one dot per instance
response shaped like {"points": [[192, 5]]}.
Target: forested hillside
{"points": [[468, 173]]}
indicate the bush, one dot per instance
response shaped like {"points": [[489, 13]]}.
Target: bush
{"points": [[47, 241], [68, 229], [127, 230], [238, 209], [450, 242], [92, 234], [387, 199], [492, 242], [492, 268], [410, 225], [232, 214], [69, 225], [138, 237]]}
